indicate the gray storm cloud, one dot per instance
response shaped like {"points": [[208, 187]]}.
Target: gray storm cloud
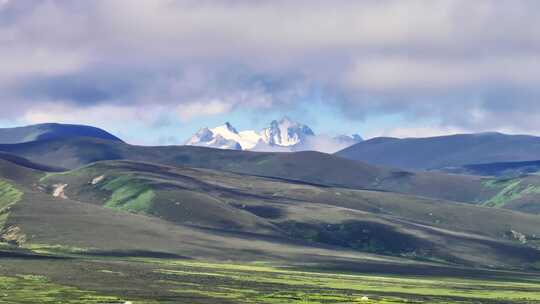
{"points": [[471, 64]]}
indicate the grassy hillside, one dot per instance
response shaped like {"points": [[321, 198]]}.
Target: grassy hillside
{"points": [[365, 221], [312, 167], [504, 169], [9, 195], [516, 193], [25, 163], [127, 231], [23, 172]]}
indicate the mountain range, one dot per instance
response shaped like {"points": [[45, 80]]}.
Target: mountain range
{"points": [[284, 135], [57, 154], [88, 209]]}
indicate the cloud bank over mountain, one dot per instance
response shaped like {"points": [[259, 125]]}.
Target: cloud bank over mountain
{"points": [[472, 65]]}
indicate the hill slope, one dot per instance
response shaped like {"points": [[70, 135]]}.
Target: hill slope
{"points": [[312, 167], [23, 162], [363, 221], [309, 167], [508, 169], [33, 219], [444, 151], [51, 131]]}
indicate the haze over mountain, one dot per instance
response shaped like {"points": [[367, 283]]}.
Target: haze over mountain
{"points": [[445, 152], [284, 135]]}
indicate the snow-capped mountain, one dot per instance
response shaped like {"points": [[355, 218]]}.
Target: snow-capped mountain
{"points": [[211, 138], [284, 135]]}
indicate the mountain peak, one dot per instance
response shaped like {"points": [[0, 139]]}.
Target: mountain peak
{"points": [[228, 126], [284, 134]]}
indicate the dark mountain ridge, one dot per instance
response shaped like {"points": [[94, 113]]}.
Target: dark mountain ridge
{"points": [[312, 167], [49, 131], [439, 152]]}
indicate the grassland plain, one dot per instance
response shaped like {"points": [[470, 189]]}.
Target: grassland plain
{"points": [[38, 289], [76, 278]]}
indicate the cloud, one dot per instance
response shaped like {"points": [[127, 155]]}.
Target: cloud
{"points": [[326, 143], [106, 114], [470, 65], [423, 131], [197, 109], [419, 74]]}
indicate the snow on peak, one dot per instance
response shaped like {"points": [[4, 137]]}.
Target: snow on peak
{"points": [[285, 132], [282, 135], [225, 137], [211, 138], [203, 135]]}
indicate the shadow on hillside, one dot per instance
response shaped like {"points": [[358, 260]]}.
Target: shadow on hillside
{"points": [[136, 254], [29, 256]]}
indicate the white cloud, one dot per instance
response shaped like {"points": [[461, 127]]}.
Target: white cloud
{"points": [[402, 73], [417, 58], [189, 111], [37, 61], [326, 144], [92, 115], [426, 131]]}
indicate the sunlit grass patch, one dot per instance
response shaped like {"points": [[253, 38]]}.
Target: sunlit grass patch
{"points": [[9, 195], [128, 194], [186, 281], [266, 284], [509, 190], [27, 289], [54, 249]]}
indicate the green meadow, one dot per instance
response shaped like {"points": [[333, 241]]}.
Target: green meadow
{"points": [[153, 280]]}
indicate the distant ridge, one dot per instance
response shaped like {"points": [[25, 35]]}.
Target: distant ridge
{"points": [[23, 162], [433, 153], [48, 131]]}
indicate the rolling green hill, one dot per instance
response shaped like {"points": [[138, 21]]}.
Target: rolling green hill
{"points": [[311, 167], [308, 167], [365, 221], [120, 231], [516, 193]]}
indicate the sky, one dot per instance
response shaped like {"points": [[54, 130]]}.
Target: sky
{"points": [[155, 71]]}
